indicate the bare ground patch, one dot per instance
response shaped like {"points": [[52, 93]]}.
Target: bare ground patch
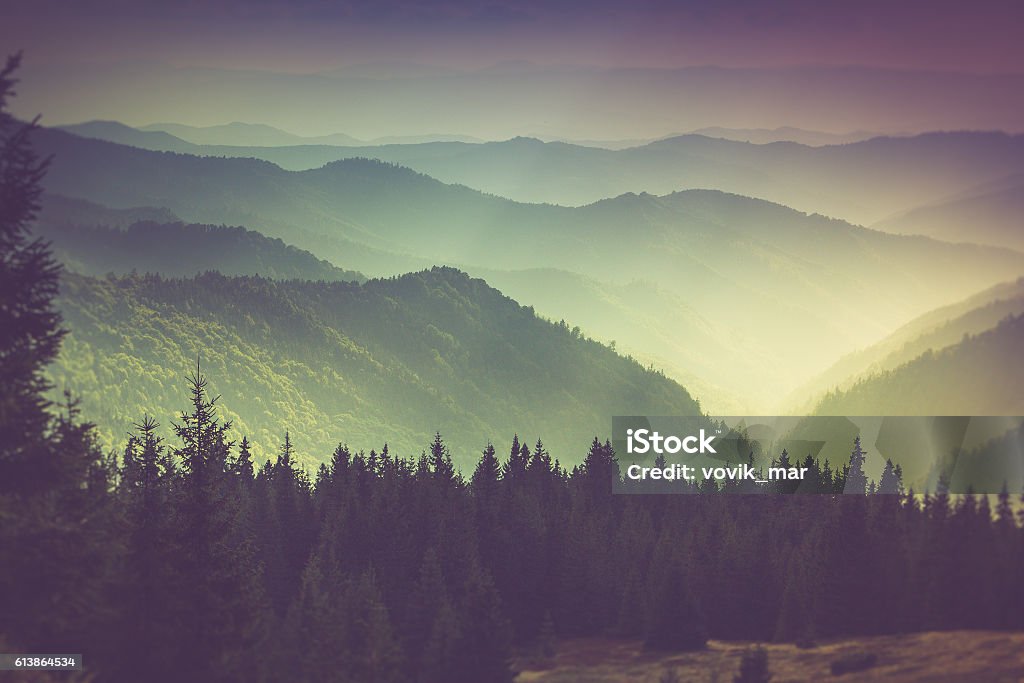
{"points": [[934, 657]]}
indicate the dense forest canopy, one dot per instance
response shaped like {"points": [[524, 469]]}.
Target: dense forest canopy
{"points": [[98, 247], [979, 375], [348, 362]]}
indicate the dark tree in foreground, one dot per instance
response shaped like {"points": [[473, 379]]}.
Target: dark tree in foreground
{"points": [[398, 570], [30, 331], [57, 527], [673, 621]]}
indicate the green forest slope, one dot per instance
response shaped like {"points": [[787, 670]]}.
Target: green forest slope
{"points": [[800, 289], [980, 375], [334, 362], [95, 240], [936, 330]]}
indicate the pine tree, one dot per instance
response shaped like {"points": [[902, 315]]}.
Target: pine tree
{"points": [[147, 587], [30, 331], [285, 534], [484, 482], [785, 486], [285, 465], [514, 469], [429, 593], [486, 643], [220, 608], [539, 466], [204, 446], [855, 479], [242, 465], [486, 488], [1004, 510], [441, 461], [890, 483], [314, 646], [439, 661], [375, 656], [673, 621], [600, 471]]}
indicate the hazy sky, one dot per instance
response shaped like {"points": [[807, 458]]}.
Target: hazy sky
{"points": [[69, 46]]}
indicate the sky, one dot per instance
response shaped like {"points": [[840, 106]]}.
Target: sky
{"points": [[78, 52]]}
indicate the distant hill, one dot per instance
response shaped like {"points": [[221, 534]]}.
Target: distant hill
{"points": [[864, 182], [252, 135], [764, 136], [936, 330], [112, 131], [238, 134], [96, 240], [990, 215], [980, 375], [713, 358], [60, 210], [774, 276], [550, 100], [179, 249], [333, 362]]}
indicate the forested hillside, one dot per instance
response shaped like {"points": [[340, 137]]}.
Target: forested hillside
{"points": [[712, 357], [980, 375], [990, 214], [178, 249], [346, 362], [57, 210], [933, 331], [778, 276]]}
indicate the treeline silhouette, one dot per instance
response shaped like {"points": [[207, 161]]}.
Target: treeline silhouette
{"points": [[187, 561]]}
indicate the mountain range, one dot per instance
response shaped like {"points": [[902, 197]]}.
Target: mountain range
{"points": [[177, 137], [865, 182], [770, 277], [541, 100], [979, 375], [764, 136], [937, 330], [989, 214]]}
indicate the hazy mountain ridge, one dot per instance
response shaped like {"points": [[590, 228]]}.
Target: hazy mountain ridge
{"points": [[992, 215], [434, 350], [245, 134], [239, 134], [182, 250], [114, 131], [831, 281], [865, 181], [594, 102], [980, 375], [713, 359], [931, 332], [56, 209], [763, 136]]}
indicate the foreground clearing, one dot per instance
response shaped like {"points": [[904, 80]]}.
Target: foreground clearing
{"points": [[934, 657]]}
